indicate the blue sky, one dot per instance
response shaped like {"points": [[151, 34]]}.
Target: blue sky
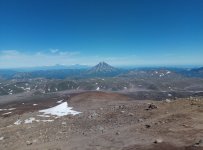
{"points": [[121, 32]]}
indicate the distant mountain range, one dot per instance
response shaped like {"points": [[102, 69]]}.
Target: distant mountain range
{"points": [[55, 67], [100, 70], [102, 77], [61, 72]]}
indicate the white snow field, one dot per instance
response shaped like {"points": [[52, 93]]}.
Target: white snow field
{"points": [[60, 110]]}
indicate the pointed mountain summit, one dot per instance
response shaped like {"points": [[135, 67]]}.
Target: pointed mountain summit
{"points": [[102, 67]]}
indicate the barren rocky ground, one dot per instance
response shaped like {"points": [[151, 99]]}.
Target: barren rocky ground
{"points": [[109, 121]]}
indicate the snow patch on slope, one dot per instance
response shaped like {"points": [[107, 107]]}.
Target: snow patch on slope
{"points": [[60, 110], [18, 122], [30, 120]]}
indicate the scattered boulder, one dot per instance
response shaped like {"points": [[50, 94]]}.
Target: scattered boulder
{"points": [[28, 142], [199, 143], [122, 112], [1, 138], [93, 115], [152, 106], [101, 129], [63, 123], [147, 126], [158, 141], [131, 114], [122, 107], [84, 134], [35, 141], [185, 125], [116, 107], [167, 100], [140, 120]]}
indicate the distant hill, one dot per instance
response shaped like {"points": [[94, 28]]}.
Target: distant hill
{"points": [[7, 74], [197, 72], [157, 73]]}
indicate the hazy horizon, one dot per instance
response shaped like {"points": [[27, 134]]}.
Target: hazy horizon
{"points": [[85, 66]]}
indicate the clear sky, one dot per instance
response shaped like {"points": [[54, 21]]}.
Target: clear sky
{"points": [[120, 32]]}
